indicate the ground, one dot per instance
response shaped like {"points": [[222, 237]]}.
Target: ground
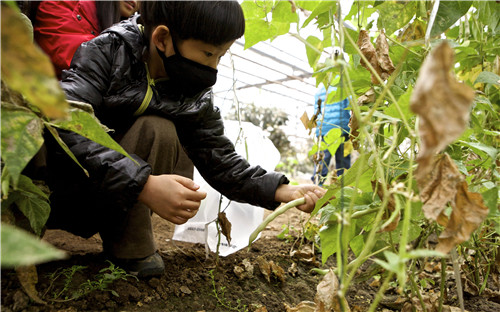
{"points": [[193, 283]]}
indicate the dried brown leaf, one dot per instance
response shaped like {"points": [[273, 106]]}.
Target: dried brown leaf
{"points": [[383, 59], [438, 187], [367, 97], [28, 277], [225, 226], [264, 267], [368, 50], [327, 298], [277, 271], [442, 104], [304, 306], [468, 213], [377, 57]]}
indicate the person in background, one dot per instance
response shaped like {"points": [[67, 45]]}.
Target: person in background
{"points": [[336, 115], [61, 26], [149, 78]]}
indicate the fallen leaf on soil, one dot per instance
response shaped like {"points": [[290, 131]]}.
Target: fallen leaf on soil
{"points": [[225, 226], [306, 254], [28, 277], [261, 309], [442, 104], [438, 187], [244, 271], [391, 206], [304, 306], [468, 213], [326, 298], [292, 270], [277, 271], [378, 58], [264, 267]]}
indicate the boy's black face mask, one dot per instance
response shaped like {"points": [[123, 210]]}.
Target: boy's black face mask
{"points": [[188, 76]]}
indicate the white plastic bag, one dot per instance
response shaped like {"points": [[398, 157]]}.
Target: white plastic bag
{"points": [[244, 218]]}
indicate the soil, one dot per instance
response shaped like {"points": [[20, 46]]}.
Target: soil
{"points": [[194, 283]]}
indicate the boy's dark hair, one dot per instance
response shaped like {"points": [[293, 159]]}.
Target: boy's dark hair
{"points": [[214, 22]]}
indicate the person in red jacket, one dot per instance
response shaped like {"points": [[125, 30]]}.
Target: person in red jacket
{"points": [[61, 26]]}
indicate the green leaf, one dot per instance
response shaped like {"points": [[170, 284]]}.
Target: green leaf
{"points": [[489, 14], [283, 13], [329, 241], [257, 31], [322, 7], [333, 139], [488, 77], [313, 55], [86, 125], [33, 203], [489, 150], [27, 69], [21, 139], [404, 104], [394, 15], [448, 13], [252, 10], [19, 248], [490, 198], [357, 244]]}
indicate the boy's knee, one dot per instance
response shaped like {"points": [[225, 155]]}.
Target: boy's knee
{"points": [[156, 127]]}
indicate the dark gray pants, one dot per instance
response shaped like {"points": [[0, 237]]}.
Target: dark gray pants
{"points": [[154, 139]]}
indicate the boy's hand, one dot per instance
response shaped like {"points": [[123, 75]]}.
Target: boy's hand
{"points": [[172, 197], [286, 193]]}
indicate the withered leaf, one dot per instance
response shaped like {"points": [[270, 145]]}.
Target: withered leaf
{"points": [[264, 267], [368, 50], [304, 306], [377, 57], [327, 298], [225, 226], [383, 59], [277, 271], [28, 277], [391, 206], [441, 102], [438, 187], [467, 214]]}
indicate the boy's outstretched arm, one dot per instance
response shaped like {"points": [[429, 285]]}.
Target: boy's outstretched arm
{"points": [[286, 193]]}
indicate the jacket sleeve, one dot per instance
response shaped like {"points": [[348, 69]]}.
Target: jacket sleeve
{"points": [[60, 28], [110, 172], [215, 158]]}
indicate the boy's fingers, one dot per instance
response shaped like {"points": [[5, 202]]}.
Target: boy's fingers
{"points": [[187, 182]]}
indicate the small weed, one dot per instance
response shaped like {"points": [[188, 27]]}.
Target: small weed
{"points": [[219, 294], [101, 282]]}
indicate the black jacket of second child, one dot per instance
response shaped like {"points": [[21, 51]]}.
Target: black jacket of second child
{"points": [[109, 73]]}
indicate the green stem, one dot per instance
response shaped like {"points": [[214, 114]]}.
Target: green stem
{"points": [[272, 216]]}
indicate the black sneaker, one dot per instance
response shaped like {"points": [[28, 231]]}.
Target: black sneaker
{"points": [[147, 267]]}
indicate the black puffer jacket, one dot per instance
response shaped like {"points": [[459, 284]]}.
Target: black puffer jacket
{"points": [[109, 73]]}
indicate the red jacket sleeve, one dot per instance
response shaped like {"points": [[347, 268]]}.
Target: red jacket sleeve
{"points": [[61, 26]]}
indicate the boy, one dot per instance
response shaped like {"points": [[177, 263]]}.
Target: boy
{"points": [[149, 79]]}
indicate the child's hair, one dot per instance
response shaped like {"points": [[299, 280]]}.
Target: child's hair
{"points": [[108, 13], [214, 22]]}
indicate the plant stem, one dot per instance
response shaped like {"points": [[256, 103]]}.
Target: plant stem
{"points": [[272, 216]]}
